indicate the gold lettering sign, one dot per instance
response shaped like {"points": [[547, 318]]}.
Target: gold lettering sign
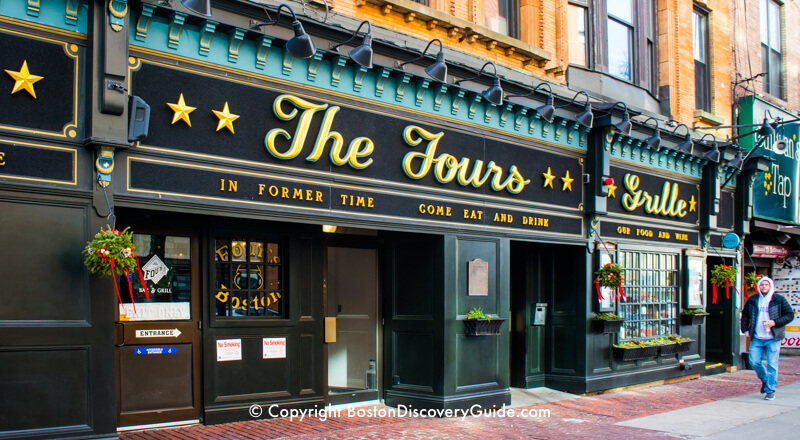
{"points": [[359, 149], [447, 168], [2, 158], [665, 204]]}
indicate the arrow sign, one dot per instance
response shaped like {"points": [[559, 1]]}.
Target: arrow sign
{"points": [[158, 333]]}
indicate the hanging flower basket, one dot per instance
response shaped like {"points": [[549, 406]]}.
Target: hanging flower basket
{"points": [[751, 279], [722, 275], [111, 253], [607, 323], [610, 275]]}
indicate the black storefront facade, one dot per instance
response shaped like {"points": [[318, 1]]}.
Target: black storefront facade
{"points": [[314, 233]]}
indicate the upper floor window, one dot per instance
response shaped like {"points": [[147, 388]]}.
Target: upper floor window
{"points": [[702, 94], [630, 38], [577, 33], [771, 56], [500, 16]]}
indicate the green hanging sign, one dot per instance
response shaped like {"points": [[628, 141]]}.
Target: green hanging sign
{"points": [[775, 192]]}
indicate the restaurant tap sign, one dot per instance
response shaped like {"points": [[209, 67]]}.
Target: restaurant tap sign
{"points": [[775, 191], [316, 155]]}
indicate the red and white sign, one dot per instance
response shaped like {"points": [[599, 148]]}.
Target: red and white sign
{"points": [[769, 251], [229, 350], [274, 348]]}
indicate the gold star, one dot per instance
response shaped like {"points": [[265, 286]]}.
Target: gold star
{"points": [[612, 191], [567, 182], [181, 111], [692, 204], [24, 79], [548, 178], [226, 118]]}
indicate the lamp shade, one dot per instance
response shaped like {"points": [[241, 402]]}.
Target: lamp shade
{"points": [[301, 45], [547, 111], [362, 55], [202, 7], [494, 93], [654, 141], [586, 117], [438, 70], [713, 154], [686, 146], [765, 129], [625, 125]]}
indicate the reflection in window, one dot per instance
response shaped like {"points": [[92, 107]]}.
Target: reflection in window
{"points": [[651, 287], [619, 49], [577, 35], [701, 71], [496, 16], [771, 56], [248, 278]]}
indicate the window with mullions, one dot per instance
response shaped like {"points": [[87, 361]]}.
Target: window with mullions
{"points": [[500, 16], [577, 33], [702, 97], [248, 278], [630, 40], [651, 287], [771, 57]]}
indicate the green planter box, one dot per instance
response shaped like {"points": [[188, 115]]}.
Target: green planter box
{"points": [[483, 327], [693, 319], [635, 353], [607, 325]]}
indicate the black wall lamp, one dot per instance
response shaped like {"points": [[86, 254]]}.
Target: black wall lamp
{"points": [[687, 145], [202, 7], [654, 141], [361, 55], [586, 117], [546, 111], [301, 45], [737, 161], [437, 70], [712, 154], [494, 93]]}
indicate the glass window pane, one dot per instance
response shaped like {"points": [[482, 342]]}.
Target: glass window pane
{"points": [[774, 26], [577, 35], [765, 67], [238, 249], [775, 74], [222, 251], [273, 254], [622, 9], [166, 268], [699, 32], [763, 16], [256, 251], [496, 15], [619, 50]]}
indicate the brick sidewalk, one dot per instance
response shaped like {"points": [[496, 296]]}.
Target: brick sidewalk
{"points": [[591, 417]]}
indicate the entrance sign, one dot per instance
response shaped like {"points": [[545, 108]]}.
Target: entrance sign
{"points": [[229, 350], [274, 348], [165, 333]]}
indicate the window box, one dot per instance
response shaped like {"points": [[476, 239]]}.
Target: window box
{"points": [[635, 353], [675, 348], [693, 318], [606, 325], [483, 327]]}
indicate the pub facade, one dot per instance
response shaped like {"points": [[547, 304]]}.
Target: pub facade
{"points": [[314, 231]]}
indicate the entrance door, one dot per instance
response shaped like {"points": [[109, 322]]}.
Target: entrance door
{"points": [[158, 340], [352, 299], [719, 322]]}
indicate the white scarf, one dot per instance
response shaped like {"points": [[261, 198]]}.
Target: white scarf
{"points": [[763, 310]]}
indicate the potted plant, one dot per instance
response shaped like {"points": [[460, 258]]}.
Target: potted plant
{"points": [[634, 350], [693, 316], [610, 275], [673, 344], [111, 253], [607, 323], [722, 275], [751, 279], [481, 324]]}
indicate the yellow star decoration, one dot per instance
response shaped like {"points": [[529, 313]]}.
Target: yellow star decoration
{"points": [[548, 178], [612, 191], [567, 182], [24, 79], [692, 204], [226, 118], [181, 111]]}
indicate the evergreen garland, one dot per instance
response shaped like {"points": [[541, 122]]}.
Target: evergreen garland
{"points": [[110, 244]]}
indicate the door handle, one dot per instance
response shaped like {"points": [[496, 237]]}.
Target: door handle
{"points": [[330, 330], [119, 334]]}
